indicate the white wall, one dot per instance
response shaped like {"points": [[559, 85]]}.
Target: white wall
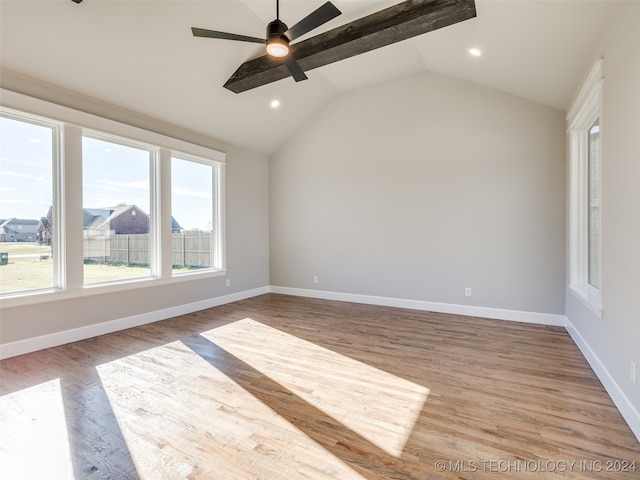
{"points": [[418, 188], [247, 239], [615, 339]]}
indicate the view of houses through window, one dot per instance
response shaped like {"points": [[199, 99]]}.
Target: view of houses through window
{"points": [[119, 178], [116, 199], [26, 196]]}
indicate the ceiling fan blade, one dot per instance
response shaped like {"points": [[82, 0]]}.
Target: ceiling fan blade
{"points": [[202, 32], [295, 69], [318, 17]]}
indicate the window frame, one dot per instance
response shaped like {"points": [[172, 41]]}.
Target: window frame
{"points": [[217, 209], [154, 255], [57, 236], [70, 126], [583, 113]]}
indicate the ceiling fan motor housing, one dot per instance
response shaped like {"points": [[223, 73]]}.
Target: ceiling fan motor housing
{"points": [[276, 29]]}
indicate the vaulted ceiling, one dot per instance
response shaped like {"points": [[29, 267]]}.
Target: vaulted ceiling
{"points": [[141, 55]]}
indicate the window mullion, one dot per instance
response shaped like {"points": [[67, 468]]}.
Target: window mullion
{"points": [[70, 241], [219, 209], [57, 212], [163, 222]]}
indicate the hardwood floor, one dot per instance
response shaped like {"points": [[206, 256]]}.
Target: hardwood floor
{"points": [[279, 387]]}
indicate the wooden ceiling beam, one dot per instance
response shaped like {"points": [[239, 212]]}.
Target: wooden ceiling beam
{"points": [[394, 24]]}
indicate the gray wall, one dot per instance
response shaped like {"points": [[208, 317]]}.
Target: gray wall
{"points": [[418, 188], [247, 239], [615, 339]]}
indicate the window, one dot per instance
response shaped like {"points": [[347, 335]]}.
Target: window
{"points": [[594, 205], [194, 228], [585, 129], [115, 188], [86, 203], [27, 159]]}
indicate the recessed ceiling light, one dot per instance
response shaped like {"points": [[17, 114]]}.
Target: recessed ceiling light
{"points": [[275, 103], [476, 52]]}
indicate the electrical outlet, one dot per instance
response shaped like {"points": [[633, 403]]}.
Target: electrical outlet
{"points": [[315, 279], [467, 292], [633, 372], [228, 282]]}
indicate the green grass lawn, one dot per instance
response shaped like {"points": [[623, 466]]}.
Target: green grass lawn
{"points": [[23, 248], [28, 273], [33, 272]]}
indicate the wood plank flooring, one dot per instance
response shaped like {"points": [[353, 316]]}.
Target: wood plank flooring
{"points": [[279, 387]]}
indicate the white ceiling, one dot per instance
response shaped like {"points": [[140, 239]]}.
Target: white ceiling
{"points": [[141, 55]]}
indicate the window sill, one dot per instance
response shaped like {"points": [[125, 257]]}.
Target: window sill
{"points": [[588, 298], [50, 295]]}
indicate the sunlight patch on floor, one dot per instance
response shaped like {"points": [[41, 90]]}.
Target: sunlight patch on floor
{"points": [[34, 442], [378, 406], [174, 408]]}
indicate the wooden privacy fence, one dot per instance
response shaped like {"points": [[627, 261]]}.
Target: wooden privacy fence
{"points": [[192, 249], [188, 249]]}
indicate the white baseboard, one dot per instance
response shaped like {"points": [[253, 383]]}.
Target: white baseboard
{"points": [[621, 401], [495, 313], [60, 338], [73, 335]]}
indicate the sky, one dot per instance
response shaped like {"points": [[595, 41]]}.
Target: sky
{"points": [[25, 170], [113, 174]]}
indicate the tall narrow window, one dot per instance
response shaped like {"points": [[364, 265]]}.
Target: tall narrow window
{"points": [[116, 210], [194, 223], [594, 205], [585, 131], [27, 156]]}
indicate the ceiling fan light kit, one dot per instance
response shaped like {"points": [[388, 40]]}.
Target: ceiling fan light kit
{"points": [[277, 42]]}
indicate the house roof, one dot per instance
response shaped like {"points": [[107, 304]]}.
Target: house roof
{"points": [[19, 221], [20, 225], [539, 50], [98, 217]]}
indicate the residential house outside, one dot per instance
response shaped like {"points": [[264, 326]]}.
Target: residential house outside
{"points": [[119, 220], [45, 228], [18, 230], [118, 234]]}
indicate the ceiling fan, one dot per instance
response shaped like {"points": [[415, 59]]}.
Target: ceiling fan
{"points": [[279, 35], [402, 21]]}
